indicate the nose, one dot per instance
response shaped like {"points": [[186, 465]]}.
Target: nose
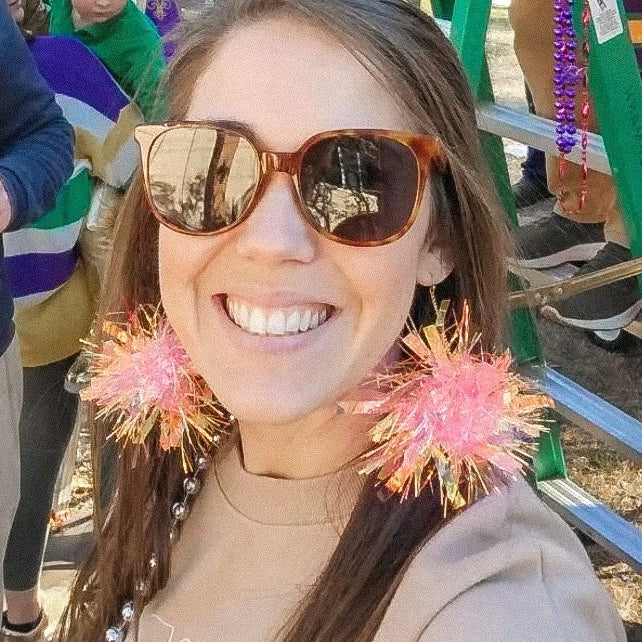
{"points": [[275, 230]]}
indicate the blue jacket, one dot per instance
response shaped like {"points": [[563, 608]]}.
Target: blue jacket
{"points": [[35, 146]]}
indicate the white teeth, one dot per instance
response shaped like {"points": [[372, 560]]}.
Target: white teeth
{"points": [[292, 324], [242, 316], [304, 323], [274, 323], [257, 321]]}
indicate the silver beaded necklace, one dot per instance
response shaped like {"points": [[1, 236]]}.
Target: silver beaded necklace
{"points": [[180, 512]]}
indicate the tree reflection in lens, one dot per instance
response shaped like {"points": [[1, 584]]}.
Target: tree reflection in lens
{"points": [[202, 178]]}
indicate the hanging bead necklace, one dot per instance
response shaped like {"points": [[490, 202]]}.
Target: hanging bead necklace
{"points": [[567, 77], [179, 512]]}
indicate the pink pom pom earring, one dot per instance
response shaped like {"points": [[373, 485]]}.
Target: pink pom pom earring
{"points": [[452, 412], [143, 379]]}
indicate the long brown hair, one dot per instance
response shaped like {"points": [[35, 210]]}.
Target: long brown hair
{"points": [[409, 55]]}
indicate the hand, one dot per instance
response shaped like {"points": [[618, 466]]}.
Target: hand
{"points": [[5, 209]]}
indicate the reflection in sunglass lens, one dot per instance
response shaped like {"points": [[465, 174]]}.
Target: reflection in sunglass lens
{"points": [[202, 179], [359, 188]]}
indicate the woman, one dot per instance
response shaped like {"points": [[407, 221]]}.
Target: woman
{"points": [[285, 300]]}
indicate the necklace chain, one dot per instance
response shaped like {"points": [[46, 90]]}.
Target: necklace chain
{"points": [[180, 511]]}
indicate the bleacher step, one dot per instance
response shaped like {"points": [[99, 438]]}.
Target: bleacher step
{"points": [[537, 132], [588, 411], [600, 523]]}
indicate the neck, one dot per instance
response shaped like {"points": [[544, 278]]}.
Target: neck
{"points": [[309, 448]]}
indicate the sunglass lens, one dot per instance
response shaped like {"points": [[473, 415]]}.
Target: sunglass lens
{"points": [[201, 179], [361, 189]]}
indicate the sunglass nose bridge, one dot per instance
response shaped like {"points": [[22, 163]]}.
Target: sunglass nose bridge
{"points": [[279, 162]]}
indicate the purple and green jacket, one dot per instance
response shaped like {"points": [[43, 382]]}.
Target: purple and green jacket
{"points": [[35, 146]]}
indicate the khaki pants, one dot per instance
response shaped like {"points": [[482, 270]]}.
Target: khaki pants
{"points": [[10, 405], [532, 21]]}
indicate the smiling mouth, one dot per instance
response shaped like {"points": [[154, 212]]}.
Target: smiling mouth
{"points": [[276, 322]]}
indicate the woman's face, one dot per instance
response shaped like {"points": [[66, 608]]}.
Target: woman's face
{"points": [[286, 81]]}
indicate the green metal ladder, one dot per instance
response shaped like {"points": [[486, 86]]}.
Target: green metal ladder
{"points": [[616, 89]]}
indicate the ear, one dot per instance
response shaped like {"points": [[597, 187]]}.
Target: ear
{"points": [[434, 265]]}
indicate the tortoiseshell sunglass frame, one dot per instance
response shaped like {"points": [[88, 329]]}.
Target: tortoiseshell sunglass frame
{"points": [[427, 151]]}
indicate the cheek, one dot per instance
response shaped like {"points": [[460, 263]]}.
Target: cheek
{"points": [[170, 268], [387, 285], [394, 294], [178, 274], [392, 278], [182, 258]]}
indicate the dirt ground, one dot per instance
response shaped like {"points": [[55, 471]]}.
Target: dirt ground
{"points": [[612, 479]]}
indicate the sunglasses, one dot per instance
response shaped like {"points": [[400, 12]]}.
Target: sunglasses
{"points": [[359, 187]]}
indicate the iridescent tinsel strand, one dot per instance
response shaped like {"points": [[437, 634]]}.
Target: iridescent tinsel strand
{"points": [[453, 414]]}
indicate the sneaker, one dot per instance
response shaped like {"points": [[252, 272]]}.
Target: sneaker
{"points": [[528, 192], [35, 632], [604, 310], [556, 239]]}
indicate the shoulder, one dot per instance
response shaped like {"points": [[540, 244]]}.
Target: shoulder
{"points": [[60, 17], [507, 568]]}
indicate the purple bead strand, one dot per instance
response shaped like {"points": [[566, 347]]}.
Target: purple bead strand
{"points": [[566, 75]]}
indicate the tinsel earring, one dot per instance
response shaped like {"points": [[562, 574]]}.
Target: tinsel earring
{"points": [[143, 380], [450, 412]]}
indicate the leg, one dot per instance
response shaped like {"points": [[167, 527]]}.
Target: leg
{"points": [[532, 187], [532, 21], [571, 234], [46, 423], [534, 167], [10, 403]]}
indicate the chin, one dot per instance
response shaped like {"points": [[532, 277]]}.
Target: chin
{"points": [[273, 408]]}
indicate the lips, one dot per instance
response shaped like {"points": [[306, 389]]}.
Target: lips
{"points": [[276, 321]]}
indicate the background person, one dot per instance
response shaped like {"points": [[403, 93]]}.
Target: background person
{"points": [[596, 233], [117, 31], [35, 160], [532, 187], [55, 293]]}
